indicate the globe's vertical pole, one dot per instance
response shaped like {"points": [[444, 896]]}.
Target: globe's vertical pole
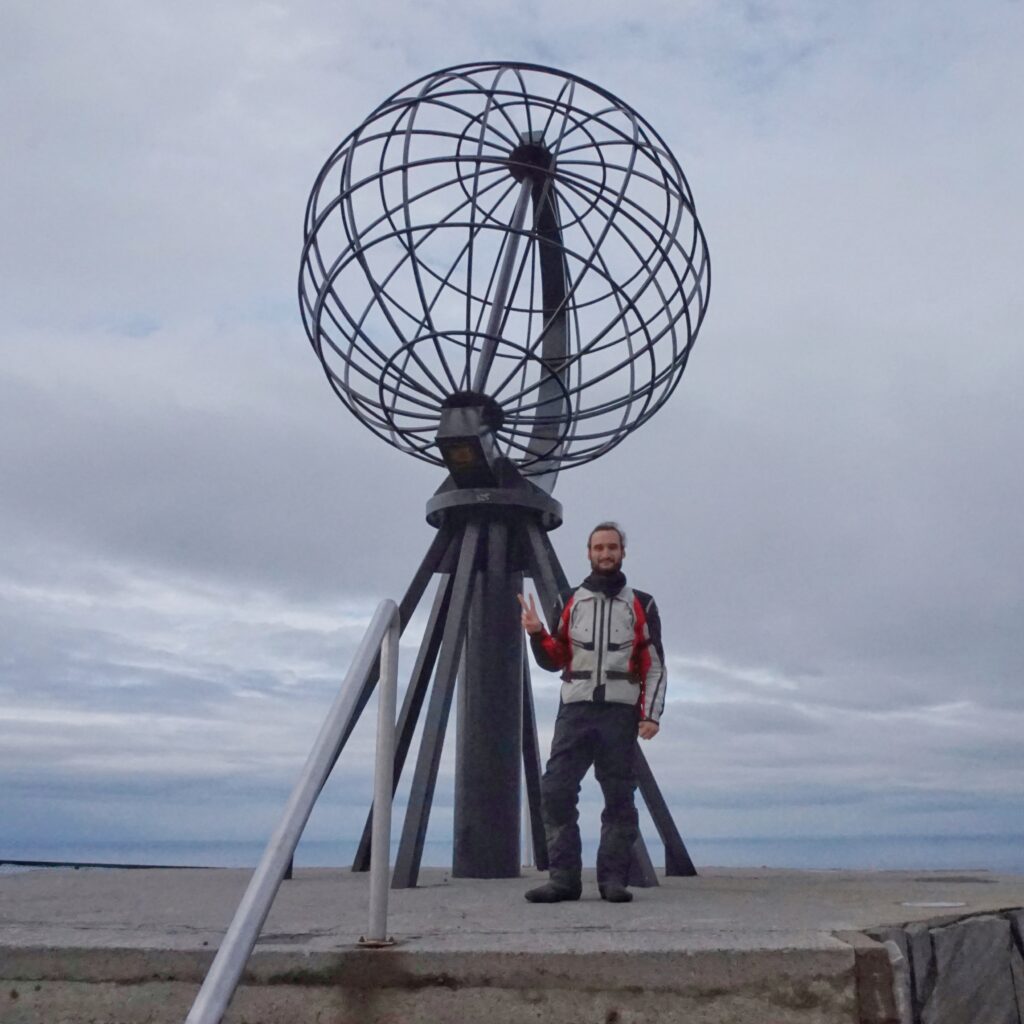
{"points": [[488, 760], [488, 794], [498, 302]]}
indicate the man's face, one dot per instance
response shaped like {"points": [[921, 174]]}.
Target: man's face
{"points": [[606, 551]]}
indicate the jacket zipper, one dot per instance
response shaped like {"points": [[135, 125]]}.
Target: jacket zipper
{"points": [[599, 615]]}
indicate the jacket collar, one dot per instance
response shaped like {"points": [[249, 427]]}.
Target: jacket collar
{"points": [[605, 583]]}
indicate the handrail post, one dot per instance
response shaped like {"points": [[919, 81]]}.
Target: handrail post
{"points": [[383, 778], [222, 979]]}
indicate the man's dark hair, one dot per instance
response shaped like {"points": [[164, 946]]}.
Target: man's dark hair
{"points": [[609, 525]]}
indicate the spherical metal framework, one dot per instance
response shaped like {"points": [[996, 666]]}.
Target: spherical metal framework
{"points": [[508, 231]]}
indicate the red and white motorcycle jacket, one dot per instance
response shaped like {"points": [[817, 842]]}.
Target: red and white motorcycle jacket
{"points": [[608, 646]]}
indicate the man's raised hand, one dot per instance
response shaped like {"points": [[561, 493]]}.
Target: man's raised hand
{"points": [[531, 620]]}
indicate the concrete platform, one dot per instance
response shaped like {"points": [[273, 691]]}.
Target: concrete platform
{"points": [[768, 947]]}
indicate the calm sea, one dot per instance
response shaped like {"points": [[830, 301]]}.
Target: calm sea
{"points": [[1002, 853]]}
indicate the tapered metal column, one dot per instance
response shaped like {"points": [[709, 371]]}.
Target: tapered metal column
{"points": [[532, 770], [421, 794], [490, 721], [415, 694]]}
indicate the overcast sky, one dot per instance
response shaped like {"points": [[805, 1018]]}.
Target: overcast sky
{"points": [[195, 531]]}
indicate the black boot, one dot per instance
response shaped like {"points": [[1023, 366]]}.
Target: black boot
{"points": [[554, 892], [615, 892]]}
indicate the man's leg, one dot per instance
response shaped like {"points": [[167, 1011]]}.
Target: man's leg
{"points": [[615, 768], [571, 756]]}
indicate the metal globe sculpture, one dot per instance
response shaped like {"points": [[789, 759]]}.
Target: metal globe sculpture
{"points": [[512, 237], [502, 273]]}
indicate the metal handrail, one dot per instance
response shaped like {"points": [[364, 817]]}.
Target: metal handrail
{"points": [[381, 636]]}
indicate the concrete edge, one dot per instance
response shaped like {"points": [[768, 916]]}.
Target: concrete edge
{"points": [[701, 973], [875, 979]]}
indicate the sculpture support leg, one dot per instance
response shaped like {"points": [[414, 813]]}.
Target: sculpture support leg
{"points": [[415, 694], [428, 566], [414, 832], [490, 714], [677, 859], [543, 568], [532, 770], [641, 868], [414, 592]]}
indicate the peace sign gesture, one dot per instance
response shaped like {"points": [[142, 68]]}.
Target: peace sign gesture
{"points": [[531, 620]]}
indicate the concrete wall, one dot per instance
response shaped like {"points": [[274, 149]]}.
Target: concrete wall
{"points": [[391, 987]]}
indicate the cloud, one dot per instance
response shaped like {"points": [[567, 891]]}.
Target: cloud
{"points": [[827, 510]]}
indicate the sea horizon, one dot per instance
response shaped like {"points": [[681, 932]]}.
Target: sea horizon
{"points": [[1000, 854]]}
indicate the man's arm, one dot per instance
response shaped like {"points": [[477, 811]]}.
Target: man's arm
{"points": [[550, 652], [655, 676]]}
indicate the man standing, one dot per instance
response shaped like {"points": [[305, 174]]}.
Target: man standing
{"points": [[608, 647]]}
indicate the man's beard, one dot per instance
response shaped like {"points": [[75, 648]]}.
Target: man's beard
{"points": [[608, 570]]}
